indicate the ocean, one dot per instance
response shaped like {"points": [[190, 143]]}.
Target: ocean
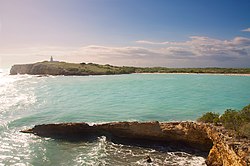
{"points": [[27, 100]]}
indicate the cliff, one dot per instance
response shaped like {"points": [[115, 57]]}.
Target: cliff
{"points": [[223, 147]]}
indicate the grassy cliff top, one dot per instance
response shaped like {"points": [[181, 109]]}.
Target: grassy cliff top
{"points": [[104, 68]]}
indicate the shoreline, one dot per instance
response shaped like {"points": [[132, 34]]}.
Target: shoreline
{"points": [[215, 74], [83, 69], [223, 74]]}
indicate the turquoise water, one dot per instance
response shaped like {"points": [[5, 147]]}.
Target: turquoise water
{"points": [[29, 100]]}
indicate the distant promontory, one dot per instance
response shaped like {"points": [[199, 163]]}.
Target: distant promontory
{"points": [[82, 69]]}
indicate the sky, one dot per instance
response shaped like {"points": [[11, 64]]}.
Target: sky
{"points": [[169, 33]]}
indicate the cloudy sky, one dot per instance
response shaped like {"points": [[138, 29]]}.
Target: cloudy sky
{"points": [[171, 33]]}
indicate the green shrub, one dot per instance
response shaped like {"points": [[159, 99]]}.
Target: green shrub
{"points": [[73, 69], [245, 130], [245, 114], [209, 117], [109, 72], [231, 119]]}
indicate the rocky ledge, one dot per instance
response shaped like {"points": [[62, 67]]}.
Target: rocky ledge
{"points": [[223, 148]]}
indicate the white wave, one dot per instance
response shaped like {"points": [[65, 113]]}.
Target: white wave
{"points": [[104, 122]]}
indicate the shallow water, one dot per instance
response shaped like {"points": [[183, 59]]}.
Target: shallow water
{"points": [[29, 100]]}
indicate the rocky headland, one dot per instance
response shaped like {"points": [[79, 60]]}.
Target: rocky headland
{"points": [[222, 146], [82, 69], [67, 69]]}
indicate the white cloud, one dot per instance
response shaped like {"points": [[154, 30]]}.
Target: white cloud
{"points": [[201, 46], [196, 51], [197, 47], [151, 42], [114, 52], [246, 30]]}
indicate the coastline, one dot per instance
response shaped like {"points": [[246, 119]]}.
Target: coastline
{"points": [[83, 69], [233, 74]]}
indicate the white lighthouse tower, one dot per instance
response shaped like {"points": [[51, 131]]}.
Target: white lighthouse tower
{"points": [[51, 59]]}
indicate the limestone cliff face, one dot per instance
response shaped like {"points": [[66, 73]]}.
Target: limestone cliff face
{"points": [[227, 149], [20, 69], [37, 69], [224, 149]]}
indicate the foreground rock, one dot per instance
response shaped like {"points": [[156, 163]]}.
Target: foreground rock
{"points": [[223, 149]]}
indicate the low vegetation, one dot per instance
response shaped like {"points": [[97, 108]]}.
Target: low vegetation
{"points": [[92, 68], [210, 117], [194, 70], [238, 121], [88, 68]]}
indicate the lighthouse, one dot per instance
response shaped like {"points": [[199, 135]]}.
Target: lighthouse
{"points": [[51, 59]]}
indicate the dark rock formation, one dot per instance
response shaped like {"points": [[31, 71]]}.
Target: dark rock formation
{"points": [[148, 159], [225, 149]]}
